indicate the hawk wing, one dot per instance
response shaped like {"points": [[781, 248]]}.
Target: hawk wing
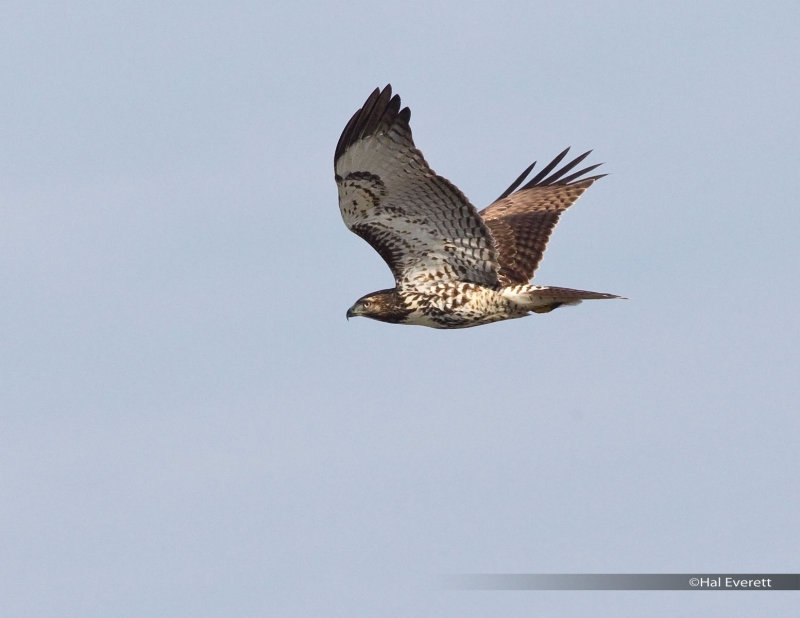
{"points": [[420, 223], [521, 222]]}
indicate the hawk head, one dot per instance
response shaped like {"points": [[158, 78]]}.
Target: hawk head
{"points": [[384, 305]]}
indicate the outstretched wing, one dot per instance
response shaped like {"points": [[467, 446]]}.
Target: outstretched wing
{"points": [[420, 223], [521, 222]]}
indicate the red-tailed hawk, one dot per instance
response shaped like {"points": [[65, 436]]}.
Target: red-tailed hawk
{"points": [[453, 266]]}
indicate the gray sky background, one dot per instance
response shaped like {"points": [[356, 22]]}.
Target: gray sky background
{"points": [[189, 426]]}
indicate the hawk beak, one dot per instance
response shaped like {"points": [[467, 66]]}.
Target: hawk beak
{"points": [[350, 313]]}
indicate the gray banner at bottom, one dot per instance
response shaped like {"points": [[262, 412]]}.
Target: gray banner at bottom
{"points": [[620, 581]]}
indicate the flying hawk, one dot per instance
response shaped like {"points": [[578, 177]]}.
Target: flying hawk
{"points": [[453, 266]]}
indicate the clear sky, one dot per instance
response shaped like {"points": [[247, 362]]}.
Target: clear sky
{"points": [[189, 426]]}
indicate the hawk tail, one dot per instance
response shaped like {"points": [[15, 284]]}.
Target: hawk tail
{"points": [[543, 299]]}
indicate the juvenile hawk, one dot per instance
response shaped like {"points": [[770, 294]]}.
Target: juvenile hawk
{"points": [[453, 266]]}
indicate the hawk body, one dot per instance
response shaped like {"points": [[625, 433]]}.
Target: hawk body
{"points": [[453, 266]]}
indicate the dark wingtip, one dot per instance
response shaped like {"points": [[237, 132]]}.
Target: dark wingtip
{"points": [[539, 178], [555, 178], [559, 177], [380, 111], [512, 187]]}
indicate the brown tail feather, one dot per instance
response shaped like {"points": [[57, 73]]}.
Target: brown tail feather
{"points": [[546, 299]]}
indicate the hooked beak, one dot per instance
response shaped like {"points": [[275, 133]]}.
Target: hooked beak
{"points": [[355, 311]]}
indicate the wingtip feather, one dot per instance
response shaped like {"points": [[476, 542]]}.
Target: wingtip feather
{"points": [[380, 110]]}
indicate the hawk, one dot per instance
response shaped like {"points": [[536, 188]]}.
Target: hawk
{"points": [[453, 267]]}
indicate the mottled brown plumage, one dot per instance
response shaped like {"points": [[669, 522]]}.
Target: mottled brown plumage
{"points": [[453, 267], [521, 222]]}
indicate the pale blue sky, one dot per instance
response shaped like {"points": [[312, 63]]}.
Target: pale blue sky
{"points": [[189, 426]]}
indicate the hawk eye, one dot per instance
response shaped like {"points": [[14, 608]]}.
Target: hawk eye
{"points": [[366, 303]]}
